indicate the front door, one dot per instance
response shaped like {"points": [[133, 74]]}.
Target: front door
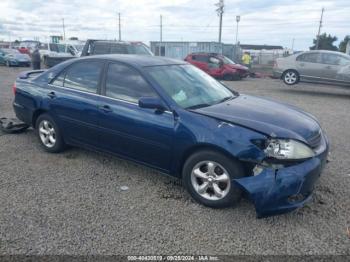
{"points": [[333, 67], [144, 135], [215, 67]]}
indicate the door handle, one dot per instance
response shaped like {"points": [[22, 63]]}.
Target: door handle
{"points": [[328, 67], [105, 108], [51, 95]]}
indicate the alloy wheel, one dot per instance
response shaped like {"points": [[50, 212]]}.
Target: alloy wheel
{"points": [[47, 133], [210, 180], [290, 77]]}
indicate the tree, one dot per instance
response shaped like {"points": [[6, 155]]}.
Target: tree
{"points": [[325, 43], [342, 45]]}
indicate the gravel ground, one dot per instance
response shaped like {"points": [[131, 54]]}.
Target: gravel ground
{"points": [[72, 203]]}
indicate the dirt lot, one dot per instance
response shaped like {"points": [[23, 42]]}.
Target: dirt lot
{"points": [[72, 203]]}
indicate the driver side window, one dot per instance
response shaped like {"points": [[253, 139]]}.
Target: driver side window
{"points": [[127, 84]]}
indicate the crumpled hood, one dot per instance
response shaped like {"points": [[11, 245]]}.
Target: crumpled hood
{"points": [[238, 66], [265, 116]]}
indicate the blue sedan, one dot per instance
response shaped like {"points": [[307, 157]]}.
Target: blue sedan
{"points": [[171, 116]]}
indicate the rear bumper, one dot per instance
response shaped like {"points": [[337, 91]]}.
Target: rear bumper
{"points": [[276, 74], [22, 113], [277, 191], [19, 63]]}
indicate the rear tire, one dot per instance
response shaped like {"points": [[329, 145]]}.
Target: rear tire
{"points": [[208, 177], [228, 77], [49, 134], [45, 62], [290, 77]]}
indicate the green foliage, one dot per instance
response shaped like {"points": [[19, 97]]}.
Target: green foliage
{"points": [[342, 45], [325, 43]]}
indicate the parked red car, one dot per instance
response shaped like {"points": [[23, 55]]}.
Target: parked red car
{"points": [[218, 66], [24, 50]]}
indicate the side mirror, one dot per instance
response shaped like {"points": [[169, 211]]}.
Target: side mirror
{"points": [[152, 103]]}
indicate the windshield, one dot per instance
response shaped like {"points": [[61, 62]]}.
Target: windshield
{"points": [[188, 86], [227, 61], [138, 49]]}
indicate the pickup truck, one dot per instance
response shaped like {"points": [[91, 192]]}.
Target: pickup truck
{"points": [[55, 53]]}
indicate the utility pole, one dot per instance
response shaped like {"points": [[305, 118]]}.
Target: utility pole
{"points": [[120, 32], [319, 30], [293, 44], [238, 18], [220, 12], [161, 35], [64, 30]]}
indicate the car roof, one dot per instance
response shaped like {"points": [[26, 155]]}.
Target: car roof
{"points": [[204, 53], [115, 42], [137, 60], [324, 51]]}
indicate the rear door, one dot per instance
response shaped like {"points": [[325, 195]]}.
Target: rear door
{"points": [[201, 61], [309, 65], [73, 101], [141, 134]]}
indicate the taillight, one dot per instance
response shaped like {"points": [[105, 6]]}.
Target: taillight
{"points": [[14, 88]]}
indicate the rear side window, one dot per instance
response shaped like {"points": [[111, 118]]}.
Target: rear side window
{"points": [[118, 49], [127, 84], [61, 48], [200, 58], [53, 47], [101, 48], [84, 76], [310, 58]]}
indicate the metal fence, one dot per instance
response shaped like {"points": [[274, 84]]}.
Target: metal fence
{"points": [[179, 50]]}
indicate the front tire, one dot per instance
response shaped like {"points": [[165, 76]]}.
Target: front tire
{"points": [[290, 77], [228, 77], [49, 135], [208, 177]]}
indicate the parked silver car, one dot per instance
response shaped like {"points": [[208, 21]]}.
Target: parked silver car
{"points": [[314, 66]]}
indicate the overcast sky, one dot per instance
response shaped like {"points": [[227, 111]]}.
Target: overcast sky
{"points": [[262, 21]]}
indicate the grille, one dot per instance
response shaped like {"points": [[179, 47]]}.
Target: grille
{"points": [[315, 140]]}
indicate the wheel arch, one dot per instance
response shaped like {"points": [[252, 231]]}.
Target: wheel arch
{"points": [[201, 147], [290, 69], [36, 114]]}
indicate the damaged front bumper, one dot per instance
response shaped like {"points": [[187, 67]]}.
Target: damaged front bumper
{"points": [[277, 191]]}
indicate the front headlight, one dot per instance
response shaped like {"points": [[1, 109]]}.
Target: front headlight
{"points": [[288, 149]]}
